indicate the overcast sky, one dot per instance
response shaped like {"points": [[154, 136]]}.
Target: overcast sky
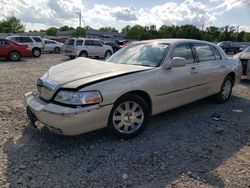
{"points": [[41, 14]]}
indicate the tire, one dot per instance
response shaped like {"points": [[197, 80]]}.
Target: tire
{"points": [[36, 52], [72, 57], [128, 117], [57, 50], [108, 54], [225, 91], [83, 54], [14, 56]]}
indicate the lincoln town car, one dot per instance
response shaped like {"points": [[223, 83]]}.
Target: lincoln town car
{"points": [[140, 80]]}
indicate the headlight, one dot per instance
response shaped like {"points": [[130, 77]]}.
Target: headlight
{"points": [[79, 97]]}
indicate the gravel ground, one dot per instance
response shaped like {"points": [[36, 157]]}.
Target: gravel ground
{"points": [[184, 147]]}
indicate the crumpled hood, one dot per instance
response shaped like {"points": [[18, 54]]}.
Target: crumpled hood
{"points": [[82, 71]]}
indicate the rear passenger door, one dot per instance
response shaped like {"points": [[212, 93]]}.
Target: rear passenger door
{"points": [[88, 45], [4, 48], [210, 65]]}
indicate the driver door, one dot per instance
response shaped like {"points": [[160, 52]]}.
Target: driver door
{"points": [[181, 85]]}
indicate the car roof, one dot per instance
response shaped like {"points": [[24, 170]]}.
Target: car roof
{"points": [[173, 40]]}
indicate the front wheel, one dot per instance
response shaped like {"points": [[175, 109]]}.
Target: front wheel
{"points": [[128, 117], [225, 91]]}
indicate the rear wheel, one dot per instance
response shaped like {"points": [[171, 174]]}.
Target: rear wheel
{"points": [[57, 50], [128, 117], [36, 52], [14, 56], [225, 91], [83, 54]]}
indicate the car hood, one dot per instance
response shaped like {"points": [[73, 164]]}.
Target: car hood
{"points": [[81, 71]]}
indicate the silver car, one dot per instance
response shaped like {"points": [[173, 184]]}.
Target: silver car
{"points": [[80, 47], [244, 57], [141, 80]]}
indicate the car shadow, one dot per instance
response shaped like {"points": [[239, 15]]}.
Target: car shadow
{"points": [[184, 141]]}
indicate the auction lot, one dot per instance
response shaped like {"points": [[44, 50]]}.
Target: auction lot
{"points": [[184, 147]]}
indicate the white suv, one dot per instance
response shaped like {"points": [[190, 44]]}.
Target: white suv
{"points": [[35, 43], [79, 47]]}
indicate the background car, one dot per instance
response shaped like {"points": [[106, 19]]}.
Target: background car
{"points": [[80, 47], [230, 47], [35, 43], [114, 46], [13, 50], [244, 57], [52, 46]]}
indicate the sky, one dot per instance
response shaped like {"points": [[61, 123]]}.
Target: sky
{"points": [[41, 14]]}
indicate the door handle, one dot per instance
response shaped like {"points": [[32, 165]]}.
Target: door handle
{"points": [[223, 66], [194, 70]]}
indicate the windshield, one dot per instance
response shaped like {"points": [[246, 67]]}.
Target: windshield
{"points": [[140, 54], [247, 49]]}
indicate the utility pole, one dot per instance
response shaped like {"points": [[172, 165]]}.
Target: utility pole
{"points": [[80, 18], [238, 28]]}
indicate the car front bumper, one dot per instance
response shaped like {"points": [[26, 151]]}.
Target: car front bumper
{"points": [[65, 120]]}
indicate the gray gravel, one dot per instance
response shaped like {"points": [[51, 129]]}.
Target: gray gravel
{"points": [[185, 147]]}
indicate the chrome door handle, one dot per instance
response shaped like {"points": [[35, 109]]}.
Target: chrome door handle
{"points": [[194, 70], [223, 66]]}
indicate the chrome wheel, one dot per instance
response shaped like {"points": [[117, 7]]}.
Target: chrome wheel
{"points": [[128, 117], [14, 56], [226, 90], [36, 52]]}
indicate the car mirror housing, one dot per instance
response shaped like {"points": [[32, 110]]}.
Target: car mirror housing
{"points": [[177, 62]]}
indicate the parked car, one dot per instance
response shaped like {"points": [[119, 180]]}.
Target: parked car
{"points": [[244, 58], [122, 43], [52, 46], [229, 47], [12, 50], [140, 80], [114, 46], [79, 47], [35, 43]]}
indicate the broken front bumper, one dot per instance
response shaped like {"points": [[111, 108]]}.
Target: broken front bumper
{"points": [[66, 120]]}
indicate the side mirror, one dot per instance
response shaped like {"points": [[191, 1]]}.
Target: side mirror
{"points": [[177, 62]]}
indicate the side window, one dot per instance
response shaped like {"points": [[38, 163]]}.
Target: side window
{"points": [[46, 42], [88, 43], [79, 42], [96, 43], [17, 39], [204, 52], [185, 51], [26, 40], [216, 52], [3, 42], [247, 49], [37, 39]]}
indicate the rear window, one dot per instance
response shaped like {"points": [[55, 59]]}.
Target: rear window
{"points": [[16, 39], [26, 40], [70, 42], [3, 42], [37, 39]]}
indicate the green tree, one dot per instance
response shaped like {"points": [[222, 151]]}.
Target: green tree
{"points": [[64, 28], [11, 25], [88, 28], [52, 31], [108, 29], [79, 32]]}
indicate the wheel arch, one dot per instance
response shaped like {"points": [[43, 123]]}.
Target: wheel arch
{"points": [[144, 95], [83, 51], [233, 76]]}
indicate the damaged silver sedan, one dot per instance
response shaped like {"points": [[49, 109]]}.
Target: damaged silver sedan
{"points": [[141, 80]]}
